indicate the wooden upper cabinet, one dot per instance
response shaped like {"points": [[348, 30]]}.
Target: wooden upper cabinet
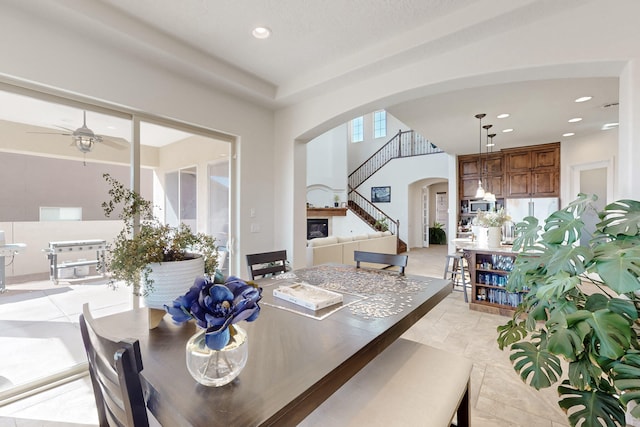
{"points": [[468, 166], [518, 184], [492, 164], [533, 171], [519, 161], [546, 158], [468, 188], [545, 183]]}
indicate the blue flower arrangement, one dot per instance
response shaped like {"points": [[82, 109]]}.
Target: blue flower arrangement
{"points": [[217, 306]]}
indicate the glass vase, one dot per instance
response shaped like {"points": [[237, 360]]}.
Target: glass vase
{"points": [[217, 367]]}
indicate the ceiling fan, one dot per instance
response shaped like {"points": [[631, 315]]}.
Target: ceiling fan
{"points": [[85, 139]]}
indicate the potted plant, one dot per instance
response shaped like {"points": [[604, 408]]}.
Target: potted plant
{"points": [[581, 304], [336, 200], [437, 235], [132, 258], [492, 221], [381, 225]]}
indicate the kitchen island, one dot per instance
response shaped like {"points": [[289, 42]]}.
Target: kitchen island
{"points": [[489, 269]]}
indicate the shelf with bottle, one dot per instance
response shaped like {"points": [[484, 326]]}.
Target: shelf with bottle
{"points": [[489, 275]]}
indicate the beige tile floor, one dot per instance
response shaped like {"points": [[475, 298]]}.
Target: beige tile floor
{"points": [[38, 327]]}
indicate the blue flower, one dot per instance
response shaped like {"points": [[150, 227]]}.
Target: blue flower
{"points": [[215, 306]]}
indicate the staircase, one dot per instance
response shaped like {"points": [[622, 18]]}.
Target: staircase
{"points": [[403, 144], [373, 216]]}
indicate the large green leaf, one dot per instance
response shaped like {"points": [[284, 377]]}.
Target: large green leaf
{"points": [[591, 408], [527, 270], [557, 286], [510, 333], [618, 264], [562, 227], [536, 366], [528, 233], [571, 259], [584, 373], [565, 341], [626, 377], [620, 218], [611, 332], [624, 307]]}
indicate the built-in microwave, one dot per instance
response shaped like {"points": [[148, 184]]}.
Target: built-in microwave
{"points": [[481, 205]]}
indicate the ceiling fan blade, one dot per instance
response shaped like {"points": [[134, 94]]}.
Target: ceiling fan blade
{"points": [[64, 128], [51, 133], [114, 142]]}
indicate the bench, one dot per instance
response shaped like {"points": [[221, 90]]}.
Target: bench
{"points": [[408, 384]]}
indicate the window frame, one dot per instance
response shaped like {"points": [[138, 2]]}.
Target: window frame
{"points": [[376, 128], [353, 127]]}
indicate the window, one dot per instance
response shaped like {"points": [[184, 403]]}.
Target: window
{"points": [[357, 129], [181, 197], [380, 124]]}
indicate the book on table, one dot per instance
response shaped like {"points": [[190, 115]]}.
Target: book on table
{"points": [[308, 296]]}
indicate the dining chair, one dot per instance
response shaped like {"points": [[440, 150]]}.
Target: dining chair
{"points": [[264, 263], [114, 366], [390, 260]]}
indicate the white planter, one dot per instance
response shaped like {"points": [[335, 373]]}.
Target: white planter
{"points": [[494, 236], [482, 237], [171, 280]]}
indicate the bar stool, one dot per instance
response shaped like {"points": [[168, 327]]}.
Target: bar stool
{"points": [[454, 270]]}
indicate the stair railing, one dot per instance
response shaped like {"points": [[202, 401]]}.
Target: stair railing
{"points": [[402, 144], [370, 213]]}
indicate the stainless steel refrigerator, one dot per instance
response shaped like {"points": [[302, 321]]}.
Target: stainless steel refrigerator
{"points": [[539, 207], [518, 209]]}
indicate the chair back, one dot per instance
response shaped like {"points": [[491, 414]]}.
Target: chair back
{"points": [[114, 366], [390, 260], [266, 263]]}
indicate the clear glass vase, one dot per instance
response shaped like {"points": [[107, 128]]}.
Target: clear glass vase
{"points": [[217, 367]]}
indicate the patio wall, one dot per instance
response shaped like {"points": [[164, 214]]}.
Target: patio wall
{"points": [[37, 235]]}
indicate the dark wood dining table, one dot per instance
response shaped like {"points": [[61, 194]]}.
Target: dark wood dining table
{"points": [[297, 357]]}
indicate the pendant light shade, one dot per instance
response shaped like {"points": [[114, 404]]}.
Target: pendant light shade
{"points": [[480, 191], [489, 196]]}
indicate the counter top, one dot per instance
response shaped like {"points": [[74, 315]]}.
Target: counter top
{"points": [[468, 244]]}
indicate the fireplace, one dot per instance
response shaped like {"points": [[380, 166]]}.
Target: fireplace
{"points": [[317, 227]]}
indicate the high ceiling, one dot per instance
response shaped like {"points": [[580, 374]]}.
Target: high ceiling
{"points": [[317, 46]]}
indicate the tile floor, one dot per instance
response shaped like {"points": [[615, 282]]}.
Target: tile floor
{"points": [[38, 327]]}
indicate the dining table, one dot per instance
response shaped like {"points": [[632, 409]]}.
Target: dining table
{"points": [[298, 357]]}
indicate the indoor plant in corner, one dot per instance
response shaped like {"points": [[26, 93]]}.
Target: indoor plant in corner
{"points": [[582, 305], [138, 258]]}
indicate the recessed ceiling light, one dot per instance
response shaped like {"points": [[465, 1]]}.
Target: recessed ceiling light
{"points": [[261, 32], [503, 115], [507, 130], [608, 126], [568, 134], [583, 98], [575, 120], [111, 127]]}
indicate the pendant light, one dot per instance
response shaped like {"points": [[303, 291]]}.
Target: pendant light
{"points": [[480, 191], [492, 197], [488, 195]]}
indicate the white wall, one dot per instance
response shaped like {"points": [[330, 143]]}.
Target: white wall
{"points": [[399, 174], [593, 150], [327, 169]]}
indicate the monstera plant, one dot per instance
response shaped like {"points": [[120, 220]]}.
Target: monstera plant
{"points": [[578, 322]]}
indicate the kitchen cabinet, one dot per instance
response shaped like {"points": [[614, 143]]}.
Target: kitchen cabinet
{"points": [[533, 171]]}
